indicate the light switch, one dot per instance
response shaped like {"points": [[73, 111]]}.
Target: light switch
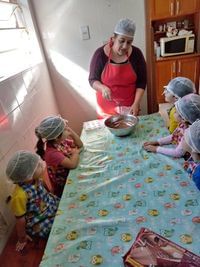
{"points": [[85, 34]]}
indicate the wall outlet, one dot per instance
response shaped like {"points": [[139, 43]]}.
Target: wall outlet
{"points": [[85, 33]]}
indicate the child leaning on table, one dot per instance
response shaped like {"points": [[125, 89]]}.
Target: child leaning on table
{"points": [[33, 206], [187, 111], [176, 88], [60, 150], [191, 143]]}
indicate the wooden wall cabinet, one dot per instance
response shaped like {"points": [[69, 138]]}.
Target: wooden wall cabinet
{"points": [[169, 69], [168, 8], [185, 14]]}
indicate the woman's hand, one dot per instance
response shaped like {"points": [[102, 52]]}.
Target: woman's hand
{"points": [[135, 109], [21, 243], [106, 92]]}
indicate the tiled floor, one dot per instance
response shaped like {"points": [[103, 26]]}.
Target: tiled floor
{"points": [[30, 257]]}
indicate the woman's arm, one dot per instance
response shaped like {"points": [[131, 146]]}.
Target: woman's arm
{"points": [[97, 65], [135, 108]]}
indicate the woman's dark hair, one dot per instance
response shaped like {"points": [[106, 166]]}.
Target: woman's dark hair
{"points": [[40, 148]]}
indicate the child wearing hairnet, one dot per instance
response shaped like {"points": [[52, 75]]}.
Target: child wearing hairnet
{"points": [[60, 150], [176, 88], [191, 143], [187, 112], [34, 207]]}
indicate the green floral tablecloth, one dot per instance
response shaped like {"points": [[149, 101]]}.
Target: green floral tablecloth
{"points": [[117, 189]]}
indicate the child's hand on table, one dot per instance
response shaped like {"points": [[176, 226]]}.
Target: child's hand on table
{"points": [[150, 148], [153, 143]]}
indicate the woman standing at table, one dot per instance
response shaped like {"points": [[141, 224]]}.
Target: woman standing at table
{"points": [[118, 72]]}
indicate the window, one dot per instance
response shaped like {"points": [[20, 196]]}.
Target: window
{"points": [[15, 44]]}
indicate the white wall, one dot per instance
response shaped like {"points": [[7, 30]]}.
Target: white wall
{"points": [[69, 56], [25, 99]]}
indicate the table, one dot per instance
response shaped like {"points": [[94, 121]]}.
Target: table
{"points": [[117, 189]]}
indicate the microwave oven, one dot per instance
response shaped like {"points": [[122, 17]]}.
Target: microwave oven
{"points": [[177, 45]]}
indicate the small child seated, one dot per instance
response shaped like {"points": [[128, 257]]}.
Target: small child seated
{"points": [[33, 206], [60, 150], [177, 88], [191, 143], [187, 111]]}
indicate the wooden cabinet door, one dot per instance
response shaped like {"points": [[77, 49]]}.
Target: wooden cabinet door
{"points": [[165, 71], [162, 9], [185, 6], [189, 68]]}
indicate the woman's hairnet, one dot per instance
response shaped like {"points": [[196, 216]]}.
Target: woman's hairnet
{"points": [[189, 107], [180, 86], [22, 166], [192, 136], [125, 27], [50, 128]]}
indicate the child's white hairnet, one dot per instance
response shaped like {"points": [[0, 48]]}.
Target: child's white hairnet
{"points": [[125, 27], [50, 128], [189, 107], [192, 136], [22, 166], [180, 86]]}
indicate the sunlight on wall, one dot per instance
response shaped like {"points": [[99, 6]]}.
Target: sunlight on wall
{"points": [[76, 76]]}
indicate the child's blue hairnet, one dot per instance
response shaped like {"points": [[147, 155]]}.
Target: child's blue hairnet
{"points": [[192, 136], [180, 86], [189, 107], [125, 27], [50, 128], [22, 166]]}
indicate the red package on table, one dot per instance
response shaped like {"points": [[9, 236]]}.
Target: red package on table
{"points": [[152, 249]]}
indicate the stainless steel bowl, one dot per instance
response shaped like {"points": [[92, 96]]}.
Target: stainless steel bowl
{"points": [[121, 125]]}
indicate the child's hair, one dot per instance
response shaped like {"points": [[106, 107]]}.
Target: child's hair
{"points": [[189, 107], [180, 86], [22, 166], [192, 137], [50, 128]]}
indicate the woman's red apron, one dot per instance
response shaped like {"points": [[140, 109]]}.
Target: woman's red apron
{"points": [[121, 79]]}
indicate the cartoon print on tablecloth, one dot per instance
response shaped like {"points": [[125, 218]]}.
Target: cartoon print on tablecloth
{"points": [[73, 235], [72, 258], [141, 219], [96, 259], [103, 212], [175, 196], [186, 239], [126, 237], [167, 232], [153, 212], [196, 219], [191, 202], [116, 250], [110, 231], [85, 244]]}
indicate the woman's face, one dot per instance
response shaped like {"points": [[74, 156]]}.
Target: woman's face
{"points": [[121, 44]]}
